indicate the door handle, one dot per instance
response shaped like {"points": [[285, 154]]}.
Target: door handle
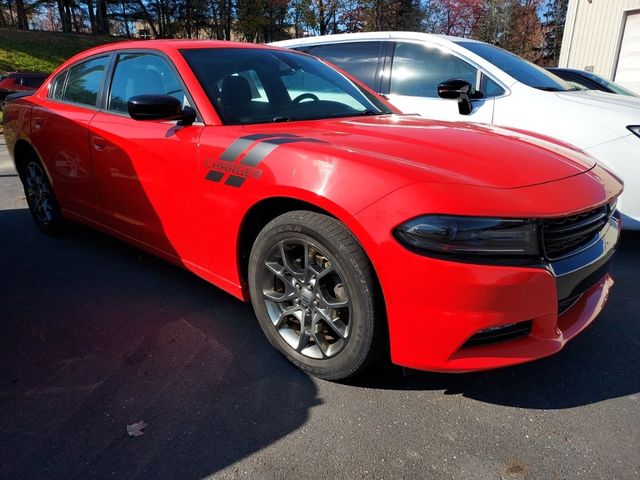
{"points": [[99, 143]]}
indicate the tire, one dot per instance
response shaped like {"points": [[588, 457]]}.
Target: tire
{"points": [[40, 196], [331, 296]]}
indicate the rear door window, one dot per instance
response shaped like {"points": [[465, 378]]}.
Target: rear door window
{"points": [[360, 59], [84, 82]]}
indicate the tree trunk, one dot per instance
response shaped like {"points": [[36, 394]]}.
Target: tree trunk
{"points": [[3, 21], [65, 18], [92, 17], [23, 23], [125, 19], [102, 20], [187, 19], [215, 22], [159, 19], [228, 11], [147, 18], [61, 13], [74, 17], [11, 18]]}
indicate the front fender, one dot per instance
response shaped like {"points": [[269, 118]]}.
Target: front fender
{"points": [[300, 171]]}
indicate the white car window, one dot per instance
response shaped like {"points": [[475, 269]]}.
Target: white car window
{"points": [[417, 70]]}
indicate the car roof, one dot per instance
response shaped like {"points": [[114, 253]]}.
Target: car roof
{"points": [[388, 35], [163, 45], [455, 44]]}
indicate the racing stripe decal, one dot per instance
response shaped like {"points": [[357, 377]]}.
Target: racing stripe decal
{"points": [[257, 147], [234, 181], [257, 153], [240, 145], [262, 149], [214, 176]]}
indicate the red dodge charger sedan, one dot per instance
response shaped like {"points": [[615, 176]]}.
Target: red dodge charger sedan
{"points": [[354, 230]]}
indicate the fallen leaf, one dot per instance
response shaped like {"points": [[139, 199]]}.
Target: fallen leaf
{"points": [[135, 429]]}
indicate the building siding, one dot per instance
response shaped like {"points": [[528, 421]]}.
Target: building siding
{"points": [[592, 34]]}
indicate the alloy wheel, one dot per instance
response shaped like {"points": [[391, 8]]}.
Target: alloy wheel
{"points": [[306, 298], [39, 195]]}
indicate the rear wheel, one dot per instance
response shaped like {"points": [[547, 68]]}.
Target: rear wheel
{"points": [[314, 294], [40, 197]]}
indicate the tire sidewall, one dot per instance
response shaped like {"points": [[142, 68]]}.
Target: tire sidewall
{"points": [[359, 289]]}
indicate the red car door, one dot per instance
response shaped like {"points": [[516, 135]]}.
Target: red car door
{"points": [[59, 132], [146, 170]]}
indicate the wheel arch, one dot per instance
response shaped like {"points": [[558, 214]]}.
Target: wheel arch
{"points": [[262, 212], [257, 217], [21, 152]]}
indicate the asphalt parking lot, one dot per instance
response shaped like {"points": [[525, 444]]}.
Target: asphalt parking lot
{"points": [[96, 335]]}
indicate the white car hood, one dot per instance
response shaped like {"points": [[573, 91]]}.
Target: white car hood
{"points": [[611, 107]]}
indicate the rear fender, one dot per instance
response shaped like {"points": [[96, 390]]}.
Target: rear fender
{"points": [[17, 123]]}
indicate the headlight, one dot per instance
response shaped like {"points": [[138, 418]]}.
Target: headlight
{"points": [[470, 236], [634, 129]]}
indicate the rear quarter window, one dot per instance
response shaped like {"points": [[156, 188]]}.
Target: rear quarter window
{"points": [[56, 88]]}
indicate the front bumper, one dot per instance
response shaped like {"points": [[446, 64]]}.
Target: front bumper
{"points": [[444, 304]]}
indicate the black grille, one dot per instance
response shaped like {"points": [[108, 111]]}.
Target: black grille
{"points": [[499, 334], [564, 235]]}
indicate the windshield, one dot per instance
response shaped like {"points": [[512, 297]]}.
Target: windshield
{"points": [[520, 69], [259, 86], [607, 84]]}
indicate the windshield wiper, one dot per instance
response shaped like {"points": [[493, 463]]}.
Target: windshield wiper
{"points": [[366, 113], [551, 89], [286, 118]]}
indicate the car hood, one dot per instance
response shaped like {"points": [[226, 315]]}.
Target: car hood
{"points": [[620, 109], [600, 99], [443, 152]]}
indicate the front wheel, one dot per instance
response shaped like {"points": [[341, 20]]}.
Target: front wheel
{"points": [[313, 291]]}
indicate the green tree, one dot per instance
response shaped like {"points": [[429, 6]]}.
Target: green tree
{"points": [[555, 16]]}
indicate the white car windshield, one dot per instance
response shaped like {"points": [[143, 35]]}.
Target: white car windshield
{"points": [[519, 68]]}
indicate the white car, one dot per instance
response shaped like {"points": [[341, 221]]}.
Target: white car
{"points": [[413, 71]]}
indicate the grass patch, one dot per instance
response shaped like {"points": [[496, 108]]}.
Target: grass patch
{"points": [[42, 51]]}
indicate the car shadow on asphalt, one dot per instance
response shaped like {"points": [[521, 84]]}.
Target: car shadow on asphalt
{"points": [[97, 335], [601, 363]]}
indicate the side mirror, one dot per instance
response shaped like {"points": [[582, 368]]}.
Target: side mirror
{"points": [[456, 89], [159, 107]]}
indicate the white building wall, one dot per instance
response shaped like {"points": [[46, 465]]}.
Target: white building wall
{"points": [[593, 33]]}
